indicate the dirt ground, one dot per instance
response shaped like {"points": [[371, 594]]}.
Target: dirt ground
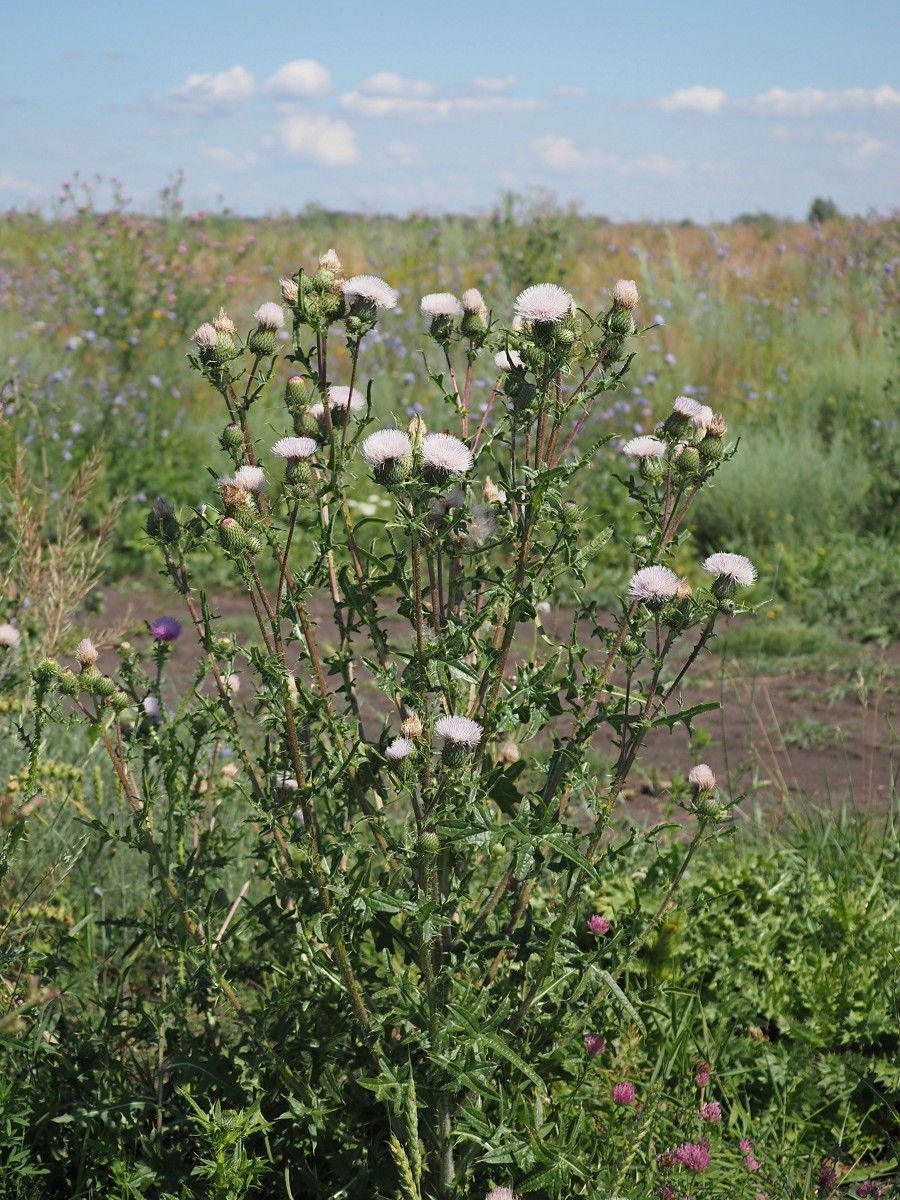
{"points": [[823, 735]]}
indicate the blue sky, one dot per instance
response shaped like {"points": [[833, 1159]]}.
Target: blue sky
{"points": [[663, 110]]}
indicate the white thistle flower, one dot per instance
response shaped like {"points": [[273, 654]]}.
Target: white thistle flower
{"points": [[340, 397], [370, 287], [473, 301], [440, 304], [9, 636], [459, 730], [445, 453], [250, 479], [385, 446], [547, 302], [500, 1193], [399, 749], [151, 708], [289, 291], [731, 566], [505, 360], [625, 293], [653, 584], [703, 419], [269, 315], [329, 261], [294, 448], [644, 447], [701, 776], [685, 406], [86, 653], [206, 336], [232, 684]]}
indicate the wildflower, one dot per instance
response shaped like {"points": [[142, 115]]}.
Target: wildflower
{"points": [[653, 585], [702, 419], [399, 749], [206, 337], [342, 398], [717, 427], [623, 1093], [9, 636], [751, 1162], [595, 1044], [644, 447], [482, 526], [598, 924], [732, 569], [166, 629], [444, 455], [546, 303], [473, 301], [440, 304], [329, 261], [290, 293], [269, 316], [230, 771], [248, 479], [387, 445], [371, 288], [411, 726], [294, 448], [224, 324], [232, 684], [500, 1193], [666, 1193], [701, 1074], [828, 1178], [86, 653], [701, 776], [152, 709], [505, 360], [711, 1111], [685, 406], [693, 1155], [625, 294], [461, 736], [667, 1160]]}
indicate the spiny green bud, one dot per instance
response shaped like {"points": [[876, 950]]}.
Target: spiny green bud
{"points": [[232, 537], [429, 842], [619, 321], [118, 701], [254, 545], [221, 645], [688, 461], [306, 425], [727, 607], [631, 647], [297, 393], [708, 808], [640, 543], [231, 437], [46, 671], [262, 342], [91, 678], [711, 449], [653, 469], [570, 514], [474, 325], [323, 280], [161, 521], [225, 348], [298, 472], [393, 471], [677, 426], [104, 686], [68, 683]]}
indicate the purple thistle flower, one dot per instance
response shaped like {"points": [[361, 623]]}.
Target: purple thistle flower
{"points": [[165, 629]]}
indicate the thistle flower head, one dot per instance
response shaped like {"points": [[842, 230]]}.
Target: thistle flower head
{"points": [[685, 406], [473, 301], [625, 293], [224, 324], [459, 730], [370, 287], [250, 479], [701, 776], [653, 585], [152, 708], [731, 566], [399, 749], [9, 636], [505, 360], [544, 302], [162, 508], [717, 426], [385, 446], [329, 261], [340, 397], [644, 447], [440, 304], [206, 336], [500, 1193], [411, 726], [86, 653], [703, 418], [295, 448], [269, 315], [289, 291], [165, 629], [446, 454]]}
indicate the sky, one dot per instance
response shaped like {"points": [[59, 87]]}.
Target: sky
{"points": [[668, 109]]}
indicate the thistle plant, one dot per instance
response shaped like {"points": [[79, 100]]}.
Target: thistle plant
{"points": [[439, 1003]]}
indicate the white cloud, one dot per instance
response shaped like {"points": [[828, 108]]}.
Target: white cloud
{"points": [[486, 84], [427, 111], [403, 152], [861, 151], [807, 102], [558, 152], [695, 99], [388, 83], [319, 138], [226, 157], [569, 91], [22, 187], [302, 78], [211, 91]]}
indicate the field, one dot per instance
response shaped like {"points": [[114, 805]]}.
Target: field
{"points": [[758, 1002]]}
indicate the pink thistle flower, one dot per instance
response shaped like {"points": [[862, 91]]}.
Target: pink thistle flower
{"points": [[166, 629], [459, 730], [440, 304], [598, 924], [544, 302], [370, 287], [446, 454], [625, 293], [399, 749], [701, 776], [734, 567], [644, 447], [500, 1193], [694, 1155], [9, 636], [623, 1093], [206, 336], [269, 315], [595, 1044], [711, 1111], [653, 585], [294, 448]]}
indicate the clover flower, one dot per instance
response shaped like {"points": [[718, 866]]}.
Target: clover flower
{"points": [[165, 629], [440, 304], [625, 293], [595, 1045], [370, 287], [9, 636], [734, 567], [598, 924], [653, 585], [644, 447], [505, 360], [544, 302], [269, 316], [623, 1093], [446, 455], [701, 1074], [711, 1111], [294, 448], [693, 1155]]}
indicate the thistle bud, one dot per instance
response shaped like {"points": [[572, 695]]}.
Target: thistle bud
{"points": [[269, 318], [687, 461], [625, 294], [570, 514], [429, 842], [490, 491], [290, 293], [509, 752], [652, 469], [232, 437], [708, 808], [297, 393], [717, 427], [90, 679], [684, 590], [411, 727], [253, 544], [68, 683], [46, 671], [329, 261], [711, 450], [417, 429], [232, 536], [631, 647], [104, 686], [86, 653], [118, 701], [224, 324]]}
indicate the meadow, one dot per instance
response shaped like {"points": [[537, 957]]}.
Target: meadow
{"points": [[714, 1011]]}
